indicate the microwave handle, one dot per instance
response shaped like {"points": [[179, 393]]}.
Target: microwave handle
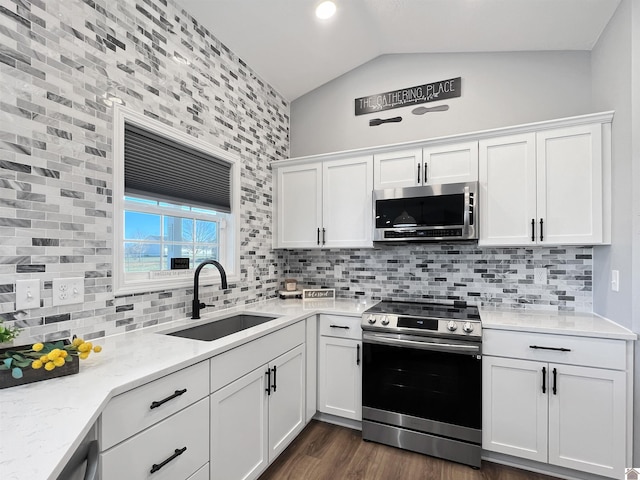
{"points": [[468, 210]]}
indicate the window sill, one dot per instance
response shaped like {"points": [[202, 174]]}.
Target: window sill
{"points": [[161, 285]]}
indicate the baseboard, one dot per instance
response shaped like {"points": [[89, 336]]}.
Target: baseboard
{"points": [[340, 421], [538, 467]]}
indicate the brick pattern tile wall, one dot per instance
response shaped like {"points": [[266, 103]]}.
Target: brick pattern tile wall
{"points": [[63, 64], [446, 273]]}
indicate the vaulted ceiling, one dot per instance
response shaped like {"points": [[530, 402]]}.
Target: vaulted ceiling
{"points": [[295, 52]]}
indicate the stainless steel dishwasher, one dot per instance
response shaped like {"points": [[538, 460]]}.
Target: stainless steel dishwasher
{"points": [[83, 464]]}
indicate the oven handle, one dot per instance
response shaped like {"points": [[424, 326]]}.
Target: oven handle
{"points": [[422, 345]]}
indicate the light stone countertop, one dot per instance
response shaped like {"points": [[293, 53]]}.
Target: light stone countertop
{"points": [[565, 323], [41, 424]]}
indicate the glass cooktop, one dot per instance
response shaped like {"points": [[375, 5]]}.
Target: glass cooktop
{"points": [[426, 310]]}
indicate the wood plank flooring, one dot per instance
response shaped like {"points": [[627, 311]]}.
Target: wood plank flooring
{"points": [[329, 452]]}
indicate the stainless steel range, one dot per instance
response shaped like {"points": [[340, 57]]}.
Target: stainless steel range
{"points": [[422, 379]]}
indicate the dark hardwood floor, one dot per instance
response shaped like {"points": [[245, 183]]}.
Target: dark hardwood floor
{"points": [[328, 452]]}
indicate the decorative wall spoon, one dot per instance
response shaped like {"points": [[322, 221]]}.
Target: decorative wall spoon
{"points": [[421, 110], [379, 121]]}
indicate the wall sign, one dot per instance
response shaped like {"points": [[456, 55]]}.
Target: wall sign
{"points": [[429, 92], [320, 293]]}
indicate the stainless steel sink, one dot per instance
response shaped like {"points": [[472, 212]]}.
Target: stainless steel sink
{"points": [[221, 328]]}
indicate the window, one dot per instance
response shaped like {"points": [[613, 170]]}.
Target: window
{"points": [[175, 203]]}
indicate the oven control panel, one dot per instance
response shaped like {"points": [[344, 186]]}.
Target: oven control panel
{"points": [[410, 324]]}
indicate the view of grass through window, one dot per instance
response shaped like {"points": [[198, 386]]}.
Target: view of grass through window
{"points": [[154, 234]]}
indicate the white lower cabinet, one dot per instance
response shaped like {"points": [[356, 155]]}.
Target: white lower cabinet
{"points": [[158, 430], [340, 367], [172, 449], [572, 416], [256, 416]]}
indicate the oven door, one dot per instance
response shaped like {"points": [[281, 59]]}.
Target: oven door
{"points": [[430, 385]]}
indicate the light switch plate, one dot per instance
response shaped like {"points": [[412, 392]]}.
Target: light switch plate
{"points": [[67, 291], [615, 280], [27, 294]]}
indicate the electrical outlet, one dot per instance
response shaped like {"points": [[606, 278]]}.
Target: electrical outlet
{"points": [[67, 291], [615, 280], [540, 276], [27, 294]]}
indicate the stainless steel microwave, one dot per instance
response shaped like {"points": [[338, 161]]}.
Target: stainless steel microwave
{"points": [[430, 213]]}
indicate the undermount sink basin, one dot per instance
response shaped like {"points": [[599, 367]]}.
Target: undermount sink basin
{"points": [[221, 328]]}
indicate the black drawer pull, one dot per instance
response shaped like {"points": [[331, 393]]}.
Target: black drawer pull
{"points": [[268, 374], [533, 230], [544, 379], [339, 326], [274, 378], [177, 393], [358, 354], [555, 381], [557, 349], [157, 466], [541, 230]]}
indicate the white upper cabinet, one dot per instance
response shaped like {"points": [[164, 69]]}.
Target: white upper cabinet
{"points": [[347, 216], [431, 165], [507, 194], [325, 204], [397, 169], [299, 200], [543, 188], [453, 163], [569, 173]]}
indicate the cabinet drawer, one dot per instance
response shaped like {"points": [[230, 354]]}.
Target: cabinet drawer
{"points": [[131, 412], [135, 458], [340, 326], [587, 351], [202, 474], [231, 365]]}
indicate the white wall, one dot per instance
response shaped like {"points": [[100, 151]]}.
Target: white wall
{"points": [[616, 85], [611, 78], [498, 89]]}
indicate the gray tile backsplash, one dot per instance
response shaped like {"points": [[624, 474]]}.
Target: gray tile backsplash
{"points": [[446, 273], [62, 66]]}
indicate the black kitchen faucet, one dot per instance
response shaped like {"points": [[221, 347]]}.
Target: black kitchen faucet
{"points": [[196, 305]]}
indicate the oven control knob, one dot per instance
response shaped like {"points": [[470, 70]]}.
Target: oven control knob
{"points": [[467, 327], [385, 321], [371, 319], [452, 326]]}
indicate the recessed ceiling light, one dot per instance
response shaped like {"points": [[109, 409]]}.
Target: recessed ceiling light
{"points": [[325, 10]]}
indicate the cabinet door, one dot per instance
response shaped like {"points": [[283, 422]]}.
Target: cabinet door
{"points": [[569, 162], [299, 205], [239, 424], [398, 169], [450, 163], [286, 402], [340, 377], [514, 408], [507, 180], [587, 421], [347, 187]]}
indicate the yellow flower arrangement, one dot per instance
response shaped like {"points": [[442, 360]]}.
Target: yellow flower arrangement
{"points": [[48, 355]]}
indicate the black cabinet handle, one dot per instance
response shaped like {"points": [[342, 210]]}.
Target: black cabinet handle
{"points": [[533, 229], [358, 354], [339, 326], [318, 240], [157, 466], [425, 172], [268, 374], [418, 182], [177, 393], [544, 379], [541, 231], [557, 349], [323, 235], [555, 381], [274, 378]]}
